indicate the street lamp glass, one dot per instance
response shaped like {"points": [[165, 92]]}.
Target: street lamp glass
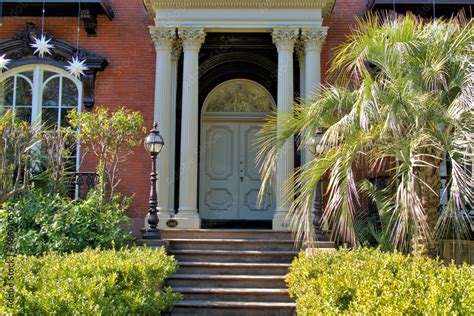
{"points": [[313, 145], [154, 142]]}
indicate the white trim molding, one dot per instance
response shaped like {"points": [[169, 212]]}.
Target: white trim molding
{"points": [[237, 16]]}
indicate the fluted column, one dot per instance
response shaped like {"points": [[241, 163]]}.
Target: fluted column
{"points": [[313, 39], [187, 213], [175, 55], [284, 39], [163, 38], [301, 55]]}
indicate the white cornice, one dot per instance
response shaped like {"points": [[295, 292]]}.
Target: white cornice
{"points": [[324, 5]]}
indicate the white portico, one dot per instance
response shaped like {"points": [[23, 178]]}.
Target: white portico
{"points": [[217, 124]]}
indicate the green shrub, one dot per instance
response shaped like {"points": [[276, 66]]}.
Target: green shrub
{"points": [[94, 282], [371, 282], [45, 222]]}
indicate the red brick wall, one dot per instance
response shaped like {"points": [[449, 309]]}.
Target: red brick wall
{"points": [[129, 78]]}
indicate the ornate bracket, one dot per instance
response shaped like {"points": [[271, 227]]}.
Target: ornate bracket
{"points": [[90, 22], [18, 49]]}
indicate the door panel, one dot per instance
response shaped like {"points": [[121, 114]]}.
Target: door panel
{"points": [[250, 178], [219, 171]]}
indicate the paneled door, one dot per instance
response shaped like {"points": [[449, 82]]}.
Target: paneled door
{"points": [[229, 177]]}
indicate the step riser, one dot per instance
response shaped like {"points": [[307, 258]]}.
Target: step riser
{"points": [[177, 311], [242, 234], [233, 270], [269, 258], [282, 298], [190, 245], [266, 284]]}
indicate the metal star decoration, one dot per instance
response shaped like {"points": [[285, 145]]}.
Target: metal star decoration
{"points": [[3, 62], [42, 46], [76, 67]]}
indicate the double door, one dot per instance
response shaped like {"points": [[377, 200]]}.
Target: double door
{"points": [[229, 175]]}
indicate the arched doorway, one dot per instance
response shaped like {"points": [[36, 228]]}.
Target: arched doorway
{"points": [[232, 115]]}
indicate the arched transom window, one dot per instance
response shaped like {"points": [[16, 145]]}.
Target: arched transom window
{"points": [[40, 93], [238, 96]]}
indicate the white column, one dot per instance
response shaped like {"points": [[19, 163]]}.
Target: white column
{"points": [[313, 39], [300, 54], [188, 216], [284, 39], [164, 38], [175, 55]]}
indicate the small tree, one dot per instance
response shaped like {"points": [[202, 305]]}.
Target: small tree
{"points": [[16, 142], [111, 137]]}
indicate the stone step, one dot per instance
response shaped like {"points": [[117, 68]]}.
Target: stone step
{"points": [[229, 308], [234, 256], [234, 294], [225, 234], [232, 268], [227, 281], [231, 244]]}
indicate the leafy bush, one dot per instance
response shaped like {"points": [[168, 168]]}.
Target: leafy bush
{"points": [[94, 282], [371, 282], [45, 222]]}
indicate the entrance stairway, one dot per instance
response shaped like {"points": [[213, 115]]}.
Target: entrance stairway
{"points": [[232, 272]]}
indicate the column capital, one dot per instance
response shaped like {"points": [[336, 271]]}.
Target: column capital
{"points": [[192, 37], [176, 50], [313, 38], [285, 38], [300, 51], [163, 37]]}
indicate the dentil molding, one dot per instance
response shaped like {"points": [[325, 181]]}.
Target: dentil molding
{"points": [[324, 5]]}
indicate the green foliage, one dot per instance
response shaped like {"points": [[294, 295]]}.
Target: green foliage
{"points": [[111, 137], [401, 102], [17, 139], [46, 222], [371, 282], [94, 282]]}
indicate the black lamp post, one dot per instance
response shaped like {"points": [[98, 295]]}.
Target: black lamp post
{"points": [[314, 146], [153, 144]]}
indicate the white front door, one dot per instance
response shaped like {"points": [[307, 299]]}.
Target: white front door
{"points": [[229, 175]]}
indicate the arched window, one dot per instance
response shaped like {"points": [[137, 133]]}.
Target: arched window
{"points": [[238, 96], [40, 93]]}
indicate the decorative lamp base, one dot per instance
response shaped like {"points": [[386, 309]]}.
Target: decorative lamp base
{"points": [[152, 234]]}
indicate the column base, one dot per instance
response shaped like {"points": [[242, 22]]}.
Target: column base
{"points": [[188, 219], [280, 223]]}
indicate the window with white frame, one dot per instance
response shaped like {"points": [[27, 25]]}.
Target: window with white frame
{"points": [[41, 93]]}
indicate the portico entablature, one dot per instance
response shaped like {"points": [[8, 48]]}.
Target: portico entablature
{"points": [[239, 16]]}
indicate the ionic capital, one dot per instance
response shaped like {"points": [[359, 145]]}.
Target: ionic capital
{"points": [[313, 38], [285, 38], [163, 37], [192, 38]]}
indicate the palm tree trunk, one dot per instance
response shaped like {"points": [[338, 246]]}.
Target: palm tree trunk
{"points": [[428, 190]]}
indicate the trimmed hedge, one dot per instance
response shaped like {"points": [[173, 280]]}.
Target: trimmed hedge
{"points": [[371, 282], [45, 222], [94, 282]]}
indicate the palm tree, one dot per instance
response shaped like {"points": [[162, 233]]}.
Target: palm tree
{"points": [[401, 102]]}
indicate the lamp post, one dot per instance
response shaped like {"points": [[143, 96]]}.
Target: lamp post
{"points": [[153, 144], [314, 146]]}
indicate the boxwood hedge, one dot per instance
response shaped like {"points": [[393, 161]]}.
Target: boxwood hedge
{"points": [[371, 282], [93, 282]]}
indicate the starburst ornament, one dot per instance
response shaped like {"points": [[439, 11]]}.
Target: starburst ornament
{"points": [[3, 62], [42, 46], [76, 67]]}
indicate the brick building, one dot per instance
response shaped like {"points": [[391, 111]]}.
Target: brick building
{"points": [[207, 72]]}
